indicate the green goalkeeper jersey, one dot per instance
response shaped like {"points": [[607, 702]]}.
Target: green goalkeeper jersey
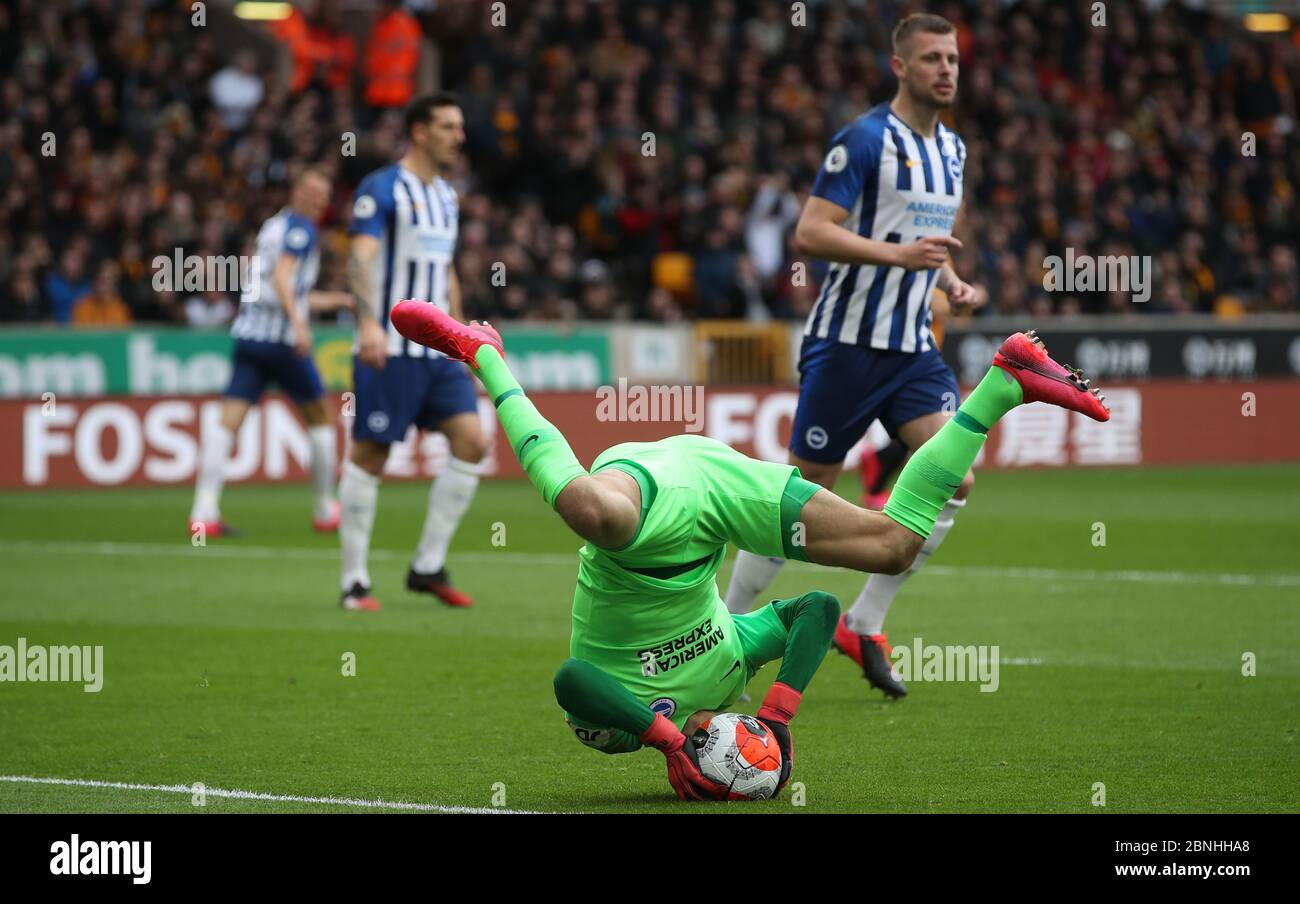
{"points": [[649, 614]]}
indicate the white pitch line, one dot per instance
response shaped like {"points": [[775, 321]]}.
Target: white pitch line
{"points": [[261, 795], [234, 550], [1123, 575]]}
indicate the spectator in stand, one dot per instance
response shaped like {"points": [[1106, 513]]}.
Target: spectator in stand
{"points": [[771, 217], [598, 301], [295, 33], [237, 91], [22, 303], [66, 284], [323, 53], [1283, 283], [662, 306], [717, 270], [1128, 137], [209, 309], [333, 50], [392, 58], [102, 306]]}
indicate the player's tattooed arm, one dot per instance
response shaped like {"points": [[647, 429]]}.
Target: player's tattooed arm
{"points": [[372, 344]]}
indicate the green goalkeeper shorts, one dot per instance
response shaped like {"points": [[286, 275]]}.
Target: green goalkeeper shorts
{"points": [[747, 643], [652, 607], [649, 614]]}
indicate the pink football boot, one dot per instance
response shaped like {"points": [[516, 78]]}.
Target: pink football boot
{"points": [[1024, 356]]}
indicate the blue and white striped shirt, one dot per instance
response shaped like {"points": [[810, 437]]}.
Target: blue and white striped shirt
{"points": [[261, 316], [898, 186], [416, 224]]}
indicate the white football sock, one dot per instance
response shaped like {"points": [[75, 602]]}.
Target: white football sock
{"points": [[750, 576], [867, 616], [449, 498], [212, 475], [358, 498], [323, 460]]}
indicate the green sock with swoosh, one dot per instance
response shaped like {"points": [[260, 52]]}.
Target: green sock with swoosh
{"points": [[936, 469], [543, 452]]}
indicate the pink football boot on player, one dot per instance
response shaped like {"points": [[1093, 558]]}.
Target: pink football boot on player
{"points": [[210, 530], [330, 523], [429, 325], [1024, 356]]}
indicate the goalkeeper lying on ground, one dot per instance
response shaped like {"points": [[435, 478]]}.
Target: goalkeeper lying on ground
{"points": [[653, 646]]}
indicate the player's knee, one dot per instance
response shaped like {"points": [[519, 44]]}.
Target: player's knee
{"points": [[472, 449], [568, 681], [232, 415], [826, 606], [315, 413], [370, 457]]}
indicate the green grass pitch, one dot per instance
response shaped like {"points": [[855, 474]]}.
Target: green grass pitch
{"points": [[1122, 664]]}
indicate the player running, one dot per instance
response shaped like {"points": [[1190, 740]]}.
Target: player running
{"points": [[273, 344], [882, 210], [404, 226], [653, 648]]}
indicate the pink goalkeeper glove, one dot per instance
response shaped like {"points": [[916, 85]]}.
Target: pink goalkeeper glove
{"points": [[779, 707], [683, 766]]}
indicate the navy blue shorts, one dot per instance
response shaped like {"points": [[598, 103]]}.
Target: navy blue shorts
{"points": [[420, 391], [259, 363], [843, 388]]}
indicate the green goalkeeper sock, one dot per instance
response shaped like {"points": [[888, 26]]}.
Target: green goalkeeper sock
{"points": [[995, 395], [810, 622], [542, 450], [592, 696], [935, 472]]}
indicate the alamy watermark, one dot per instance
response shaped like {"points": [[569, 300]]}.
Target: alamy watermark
{"points": [[75, 857], [683, 404], [74, 664], [1107, 273], [206, 273], [931, 662]]}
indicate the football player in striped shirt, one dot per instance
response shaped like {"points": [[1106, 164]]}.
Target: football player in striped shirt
{"points": [[882, 211], [273, 345], [404, 224]]}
